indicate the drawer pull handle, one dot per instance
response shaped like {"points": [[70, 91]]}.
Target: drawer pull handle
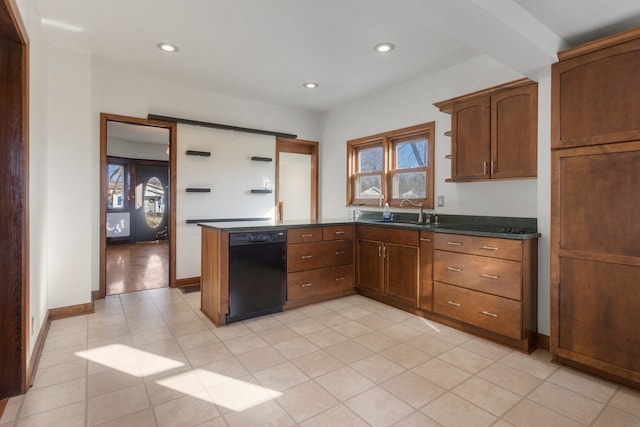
{"points": [[306, 285], [307, 235], [339, 278], [489, 248], [306, 256], [456, 304], [340, 232], [456, 269], [489, 276], [339, 252], [425, 240], [379, 251], [454, 243], [487, 313]]}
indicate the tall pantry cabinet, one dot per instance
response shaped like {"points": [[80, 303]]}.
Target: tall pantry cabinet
{"points": [[595, 205]]}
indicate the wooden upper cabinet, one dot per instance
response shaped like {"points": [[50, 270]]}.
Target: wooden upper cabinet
{"points": [[471, 139], [494, 132], [514, 133], [595, 96]]}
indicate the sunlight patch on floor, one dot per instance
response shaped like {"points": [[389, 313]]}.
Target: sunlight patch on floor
{"points": [[129, 360]]}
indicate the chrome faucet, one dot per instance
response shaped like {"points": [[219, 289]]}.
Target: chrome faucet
{"points": [[415, 206]]}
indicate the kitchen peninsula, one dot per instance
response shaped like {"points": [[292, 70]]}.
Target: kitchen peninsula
{"points": [[477, 274]]}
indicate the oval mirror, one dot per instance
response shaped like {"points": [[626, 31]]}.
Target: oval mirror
{"points": [[154, 202]]}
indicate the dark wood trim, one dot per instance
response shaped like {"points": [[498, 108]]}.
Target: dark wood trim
{"points": [[3, 404], [187, 281], [14, 205], [284, 145], [95, 295], [599, 44], [70, 311], [543, 341], [173, 151], [219, 126], [37, 349], [447, 105]]}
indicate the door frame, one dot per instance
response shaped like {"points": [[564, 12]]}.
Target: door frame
{"points": [[14, 110], [298, 146], [173, 150]]}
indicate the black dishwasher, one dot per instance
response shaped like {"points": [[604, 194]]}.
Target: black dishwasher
{"points": [[257, 274]]}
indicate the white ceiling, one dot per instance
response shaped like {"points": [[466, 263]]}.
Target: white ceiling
{"points": [[264, 50]]}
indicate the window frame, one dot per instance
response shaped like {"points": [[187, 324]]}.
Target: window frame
{"points": [[388, 141]]}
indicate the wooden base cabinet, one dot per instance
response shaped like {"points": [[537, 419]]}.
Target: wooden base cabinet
{"points": [[489, 284], [319, 264], [595, 207], [387, 264]]}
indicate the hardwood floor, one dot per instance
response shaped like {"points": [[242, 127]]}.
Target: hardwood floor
{"points": [[137, 266]]}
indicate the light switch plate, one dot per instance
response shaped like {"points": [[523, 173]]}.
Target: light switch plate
{"points": [[441, 201]]}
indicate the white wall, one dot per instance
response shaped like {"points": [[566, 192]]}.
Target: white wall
{"points": [[38, 187], [412, 104], [135, 97], [230, 173], [72, 180], [137, 150]]}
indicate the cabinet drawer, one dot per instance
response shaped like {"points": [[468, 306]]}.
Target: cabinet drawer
{"points": [[304, 235], [500, 315], [337, 232], [309, 256], [305, 284], [491, 275], [476, 245], [389, 235]]}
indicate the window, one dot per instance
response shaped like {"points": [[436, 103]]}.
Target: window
{"points": [[116, 184], [390, 167]]}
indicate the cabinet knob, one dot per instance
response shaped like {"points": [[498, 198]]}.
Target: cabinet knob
{"points": [[489, 248], [306, 285], [454, 243], [489, 276], [339, 252], [456, 269], [340, 232], [453, 303], [306, 256], [307, 235]]}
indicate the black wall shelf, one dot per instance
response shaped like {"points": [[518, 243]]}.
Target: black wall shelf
{"points": [[198, 190], [198, 153], [261, 191], [261, 159]]}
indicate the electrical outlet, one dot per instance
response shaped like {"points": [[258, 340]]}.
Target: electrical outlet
{"points": [[441, 201]]}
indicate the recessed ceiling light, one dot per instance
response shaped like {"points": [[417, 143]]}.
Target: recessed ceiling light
{"points": [[310, 85], [383, 47], [167, 47]]}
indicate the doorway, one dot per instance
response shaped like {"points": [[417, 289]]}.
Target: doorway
{"points": [[137, 207], [296, 179]]}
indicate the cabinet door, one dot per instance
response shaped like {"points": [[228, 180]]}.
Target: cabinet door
{"points": [[595, 97], [471, 139], [370, 266], [514, 133], [401, 271], [425, 291], [595, 262]]}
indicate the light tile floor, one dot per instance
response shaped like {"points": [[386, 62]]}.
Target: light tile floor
{"points": [[152, 359]]}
